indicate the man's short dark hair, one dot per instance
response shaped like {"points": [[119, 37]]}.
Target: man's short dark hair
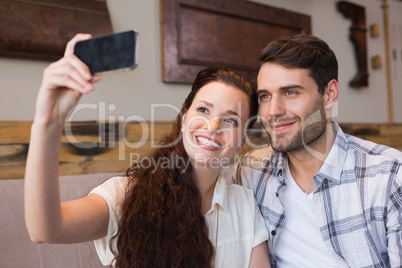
{"points": [[306, 52]]}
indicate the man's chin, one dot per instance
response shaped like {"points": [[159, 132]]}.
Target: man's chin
{"points": [[278, 147], [285, 148]]}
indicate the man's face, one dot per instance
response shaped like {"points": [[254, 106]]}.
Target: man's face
{"points": [[291, 108]]}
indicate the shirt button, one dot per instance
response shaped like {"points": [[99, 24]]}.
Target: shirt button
{"points": [[273, 232], [276, 194]]}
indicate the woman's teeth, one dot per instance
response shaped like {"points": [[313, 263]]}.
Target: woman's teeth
{"points": [[208, 142]]}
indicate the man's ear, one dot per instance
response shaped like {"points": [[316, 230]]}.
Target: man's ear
{"points": [[331, 94], [183, 122]]}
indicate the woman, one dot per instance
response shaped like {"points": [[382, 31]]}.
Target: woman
{"points": [[181, 216]]}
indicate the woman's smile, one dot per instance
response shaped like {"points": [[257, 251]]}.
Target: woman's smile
{"points": [[208, 143]]}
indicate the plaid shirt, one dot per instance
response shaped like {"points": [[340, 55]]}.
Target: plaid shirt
{"points": [[357, 202]]}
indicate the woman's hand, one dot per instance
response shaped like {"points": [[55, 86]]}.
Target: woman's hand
{"points": [[46, 218], [63, 84]]}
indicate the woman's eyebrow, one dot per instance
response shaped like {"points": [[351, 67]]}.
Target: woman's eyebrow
{"points": [[231, 112], [206, 103]]}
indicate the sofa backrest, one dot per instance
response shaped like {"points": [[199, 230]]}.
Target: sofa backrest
{"points": [[16, 248]]}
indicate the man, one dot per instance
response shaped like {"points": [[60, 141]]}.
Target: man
{"points": [[328, 199]]}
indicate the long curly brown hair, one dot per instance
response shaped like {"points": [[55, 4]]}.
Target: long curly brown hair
{"points": [[162, 224]]}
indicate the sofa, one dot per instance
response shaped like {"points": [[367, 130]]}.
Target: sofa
{"points": [[16, 248]]}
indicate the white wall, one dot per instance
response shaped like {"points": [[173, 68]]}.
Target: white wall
{"points": [[396, 63], [133, 93]]}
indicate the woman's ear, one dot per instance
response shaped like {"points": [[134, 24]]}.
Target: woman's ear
{"points": [[183, 122]]}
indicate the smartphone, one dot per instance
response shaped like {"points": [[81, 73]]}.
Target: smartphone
{"points": [[108, 54]]}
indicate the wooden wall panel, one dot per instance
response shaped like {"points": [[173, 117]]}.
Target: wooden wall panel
{"points": [[201, 33], [236, 45], [40, 29], [116, 154], [87, 147]]}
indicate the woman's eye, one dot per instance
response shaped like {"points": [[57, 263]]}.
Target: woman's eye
{"points": [[202, 110], [231, 121]]}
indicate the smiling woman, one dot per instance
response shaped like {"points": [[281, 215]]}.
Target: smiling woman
{"points": [[210, 128], [172, 212]]}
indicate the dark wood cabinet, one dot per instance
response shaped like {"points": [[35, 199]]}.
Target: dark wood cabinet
{"points": [[201, 33]]}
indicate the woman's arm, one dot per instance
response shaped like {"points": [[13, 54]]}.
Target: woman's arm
{"points": [[259, 256], [46, 218]]}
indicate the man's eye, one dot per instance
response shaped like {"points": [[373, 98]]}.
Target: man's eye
{"points": [[290, 93], [264, 96]]}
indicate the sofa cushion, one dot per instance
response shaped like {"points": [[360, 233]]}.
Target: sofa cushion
{"points": [[17, 250]]}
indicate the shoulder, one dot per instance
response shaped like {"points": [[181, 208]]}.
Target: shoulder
{"points": [[240, 196], [236, 190], [113, 189], [254, 164], [119, 182], [372, 160], [371, 148], [376, 153], [257, 159], [265, 151]]}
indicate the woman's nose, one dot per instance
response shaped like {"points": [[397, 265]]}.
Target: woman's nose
{"points": [[215, 125]]}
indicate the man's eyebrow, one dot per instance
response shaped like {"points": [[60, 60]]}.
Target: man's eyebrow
{"points": [[293, 86], [284, 88]]}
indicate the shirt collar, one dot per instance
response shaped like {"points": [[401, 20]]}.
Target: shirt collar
{"points": [[333, 165], [220, 195], [280, 159]]}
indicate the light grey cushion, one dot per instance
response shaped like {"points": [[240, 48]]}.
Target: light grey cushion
{"points": [[16, 248]]}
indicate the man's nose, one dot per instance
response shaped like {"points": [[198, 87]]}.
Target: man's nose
{"points": [[276, 107]]}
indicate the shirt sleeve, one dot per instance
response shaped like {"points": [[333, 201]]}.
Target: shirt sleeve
{"points": [[250, 167], [238, 169], [242, 173], [260, 231], [394, 221], [113, 191]]}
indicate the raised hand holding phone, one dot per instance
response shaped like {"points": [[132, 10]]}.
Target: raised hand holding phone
{"points": [[63, 84], [64, 81]]}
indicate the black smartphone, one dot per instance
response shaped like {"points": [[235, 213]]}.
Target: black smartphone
{"points": [[111, 53]]}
